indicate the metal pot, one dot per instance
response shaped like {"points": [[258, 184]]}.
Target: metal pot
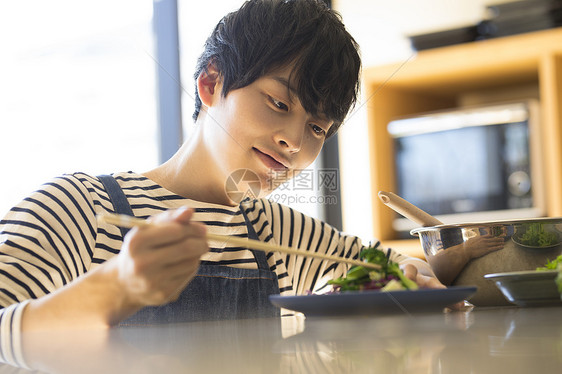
{"points": [[462, 254]]}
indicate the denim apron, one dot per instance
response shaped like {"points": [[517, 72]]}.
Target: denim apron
{"points": [[216, 292]]}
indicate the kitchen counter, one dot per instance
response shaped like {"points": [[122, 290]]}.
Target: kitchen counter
{"points": [[501, 340]]}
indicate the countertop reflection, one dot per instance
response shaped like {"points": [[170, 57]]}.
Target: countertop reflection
{"points": [[507, 339]]}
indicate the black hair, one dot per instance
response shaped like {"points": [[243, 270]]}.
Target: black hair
{"points": [[267, 34]]}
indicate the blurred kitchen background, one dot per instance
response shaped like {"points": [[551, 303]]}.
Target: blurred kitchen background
{"points": [[79, 87]]}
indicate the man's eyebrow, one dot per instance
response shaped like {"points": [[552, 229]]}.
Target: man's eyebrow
{"points": [[285, 82]]}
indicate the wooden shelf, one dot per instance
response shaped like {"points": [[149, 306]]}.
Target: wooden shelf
{"points": [[410, 247], [444, 78]]}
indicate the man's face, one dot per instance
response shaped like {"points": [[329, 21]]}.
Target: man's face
{"points": [[264, 128]]}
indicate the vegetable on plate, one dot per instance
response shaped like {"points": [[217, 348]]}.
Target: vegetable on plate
{"points": [[555, 264], [388, 278], [558, 279], [552, 264]]}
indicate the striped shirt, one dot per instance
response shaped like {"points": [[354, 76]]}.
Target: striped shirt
{"points": [[52, 237]]}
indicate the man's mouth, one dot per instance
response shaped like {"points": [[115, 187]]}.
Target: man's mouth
{"points": [[271, 161]]}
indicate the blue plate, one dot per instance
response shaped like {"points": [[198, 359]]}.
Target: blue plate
{"points": [[374, 302]]}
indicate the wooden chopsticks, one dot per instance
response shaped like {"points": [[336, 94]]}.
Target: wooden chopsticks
{"points": [[121, 220]]}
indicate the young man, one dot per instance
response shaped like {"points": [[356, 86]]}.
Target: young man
{"points": [[276, 79]]}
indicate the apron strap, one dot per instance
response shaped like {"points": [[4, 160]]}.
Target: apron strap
{"points": [[258, 255], [121, 206], [117, 197]]}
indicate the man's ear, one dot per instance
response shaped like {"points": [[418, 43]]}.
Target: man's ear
{"points": [[208, 85]]}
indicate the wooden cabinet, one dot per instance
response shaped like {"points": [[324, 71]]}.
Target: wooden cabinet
{"points": [[499, 69]]}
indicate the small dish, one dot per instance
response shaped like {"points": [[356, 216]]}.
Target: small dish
{"points": [[528, 288]]}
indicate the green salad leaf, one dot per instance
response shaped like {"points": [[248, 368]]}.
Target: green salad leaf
{"points": [[537, 236], [388, 278], [552, 264], [555, 264], [558, 279]]}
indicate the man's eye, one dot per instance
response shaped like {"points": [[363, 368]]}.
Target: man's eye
{"points": [[318, 130], [279, 104]]}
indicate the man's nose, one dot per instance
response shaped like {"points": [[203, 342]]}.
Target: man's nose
{"points": [[290, 137]]}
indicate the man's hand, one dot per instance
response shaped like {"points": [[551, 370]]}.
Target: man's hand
{"points": [[423, 281], [154, 265], [158, 261], [426, 281]]}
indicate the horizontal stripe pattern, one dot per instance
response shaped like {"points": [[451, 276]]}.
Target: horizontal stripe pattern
{"points": [[11, 351], [52, 237]]}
